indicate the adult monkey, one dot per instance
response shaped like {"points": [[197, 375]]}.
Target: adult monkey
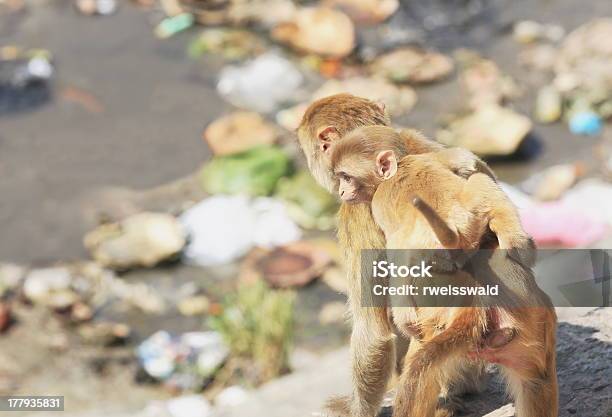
{"points": [[372, 338]]}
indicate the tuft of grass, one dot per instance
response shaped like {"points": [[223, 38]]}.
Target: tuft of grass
{"points": [[257, 324]]}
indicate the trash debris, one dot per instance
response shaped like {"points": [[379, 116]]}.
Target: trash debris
{"points": [[549, 105], [258, 222], [318, 30], [6, 317], [11, 277], [540, 57], [399, 100], [189, 406], [231, 396], [83, 98], [253, 172], [24, 78], [233, 44], [194, 306], [528, 31], [491, 130], [238, 132], [262, 84], [104, 333], [412, 65], [96, 7], [586, 56], [484, 81], [265, 13], [334, 312], [142, 240], [585, 123], [553, 182], [185, 361], [170, 26], [365, 11], [308, 204], [292, 265], [50, 287]]}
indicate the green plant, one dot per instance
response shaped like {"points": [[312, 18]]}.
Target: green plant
{"points": [[257, 324]]}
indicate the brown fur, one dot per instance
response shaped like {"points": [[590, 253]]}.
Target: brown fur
{"points": [[450, 211], [372, 347]]}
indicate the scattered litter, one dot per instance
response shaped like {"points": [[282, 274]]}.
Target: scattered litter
{"points": [[399, 100], [318, 30], [186, 361], [11, 277], [6, 317], [253, 172], [83, 98], [253, 222], [231, 396], [144, 239], [549, 105], [293, 265], [238, 132], [104, 333], [366, 11], [24, 78], [170, 26], [233, 44], [309, 204], [96, 7], [412, 65], [528, 31], [194, 306], [585, 123], [553, 182], [50, 287], [491, 130], [262, 84]]}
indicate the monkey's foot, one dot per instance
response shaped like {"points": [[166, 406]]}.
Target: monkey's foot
{"points": [[337, 407]]}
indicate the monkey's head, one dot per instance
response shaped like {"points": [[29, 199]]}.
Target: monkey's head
{"points": [[329, 119], [364, 158]]}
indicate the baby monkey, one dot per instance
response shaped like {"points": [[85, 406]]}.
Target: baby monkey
{"points": [[372, 165]]}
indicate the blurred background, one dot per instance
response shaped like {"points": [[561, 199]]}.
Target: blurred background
{"points": [[164, 252]]}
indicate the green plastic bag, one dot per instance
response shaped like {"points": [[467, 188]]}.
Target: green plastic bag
{"points": [[253, 172]]}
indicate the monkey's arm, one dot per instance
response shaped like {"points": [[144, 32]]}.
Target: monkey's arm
{"points": [[463, 162], [372, 346]]}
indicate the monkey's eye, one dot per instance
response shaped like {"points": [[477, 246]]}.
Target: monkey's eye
{"points": [[345, 177]]}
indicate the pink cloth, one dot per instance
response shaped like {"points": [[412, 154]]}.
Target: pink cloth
{"points": [[554, 222]]}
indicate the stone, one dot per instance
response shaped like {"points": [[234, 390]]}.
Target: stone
{"points": [[141, 240], [399, 100], [366, 11], [413, 65], [238, 132], [11, 277], [318, 30], [490, 130], [231, 396], [104, 333]]}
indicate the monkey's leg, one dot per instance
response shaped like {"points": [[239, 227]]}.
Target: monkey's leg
{"points": [[420, 382], [372, 362], [530, 369]]}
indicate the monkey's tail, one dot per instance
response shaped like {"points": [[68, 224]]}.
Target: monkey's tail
{"points": [[447, 236]]}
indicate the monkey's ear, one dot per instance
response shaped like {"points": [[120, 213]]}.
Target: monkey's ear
{"points": [[386, 164], [326, 137]]}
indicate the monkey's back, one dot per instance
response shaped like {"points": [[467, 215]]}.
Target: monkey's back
{"points": [[423, 176]]}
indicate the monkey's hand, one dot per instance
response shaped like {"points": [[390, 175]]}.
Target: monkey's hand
{"points": [[464, 163]]}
